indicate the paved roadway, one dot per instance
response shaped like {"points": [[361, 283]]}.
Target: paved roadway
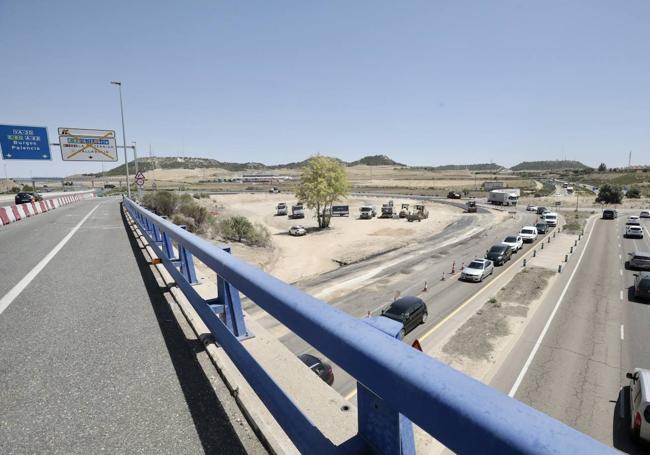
{"points": [[91, 358], [371, 285], [598, 334]]}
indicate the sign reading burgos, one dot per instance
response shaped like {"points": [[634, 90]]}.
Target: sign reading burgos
{"points": [[87, 145], [24, 143]]}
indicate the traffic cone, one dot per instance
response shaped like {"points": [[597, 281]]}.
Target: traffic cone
{"points": [[425, 287], [453, 267]]}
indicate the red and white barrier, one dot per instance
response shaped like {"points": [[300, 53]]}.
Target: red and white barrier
{"points": [[13, 213]]}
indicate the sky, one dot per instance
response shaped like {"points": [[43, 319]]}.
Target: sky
{"points": [[424, 82]]}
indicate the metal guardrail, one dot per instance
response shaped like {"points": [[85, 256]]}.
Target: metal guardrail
{"points": [[396, 383]]}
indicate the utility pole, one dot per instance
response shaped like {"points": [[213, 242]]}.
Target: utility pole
{"points": [[126, 153], [153, 169]]}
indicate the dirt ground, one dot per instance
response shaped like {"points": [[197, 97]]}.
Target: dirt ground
{"points": [[476, 340], [348, 239]]}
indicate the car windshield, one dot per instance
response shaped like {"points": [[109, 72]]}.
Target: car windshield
{"points": [[527, 231], [476, 265], [644, 284], [541, 225], [510, 239], [498, 249]]}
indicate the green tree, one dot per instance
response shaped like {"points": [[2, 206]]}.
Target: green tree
{"points": [[602, 167], [633, 193], [610, 194], [323, 182]]}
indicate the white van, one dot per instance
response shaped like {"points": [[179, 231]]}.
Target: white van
{"points": [[550, 218], [639, 405]]}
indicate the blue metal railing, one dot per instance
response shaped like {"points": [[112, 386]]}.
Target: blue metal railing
{"points": [[460, 412]]}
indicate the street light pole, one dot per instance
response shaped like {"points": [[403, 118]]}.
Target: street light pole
{"points": [[126, 153]]}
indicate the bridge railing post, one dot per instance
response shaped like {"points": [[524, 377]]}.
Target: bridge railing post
{"points": [[187, 264], [232, 314], [383, 428]]}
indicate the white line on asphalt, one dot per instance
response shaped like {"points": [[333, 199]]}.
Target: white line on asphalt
{"points": [[620, 272], [22, 284], [620, 257], [538, 343], [622, 332], [621, 294]]}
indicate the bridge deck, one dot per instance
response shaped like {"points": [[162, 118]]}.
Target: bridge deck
{"points": [[91, 358]]}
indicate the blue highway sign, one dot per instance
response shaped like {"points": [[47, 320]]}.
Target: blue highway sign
{"points": [[24, 143]]}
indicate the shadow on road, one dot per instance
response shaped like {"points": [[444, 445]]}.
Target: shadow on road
{"points": [[210, 420], [621, 426]]}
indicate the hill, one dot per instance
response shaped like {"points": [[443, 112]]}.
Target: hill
{"points": [[555, 165], [166, 162], [462, 167]]}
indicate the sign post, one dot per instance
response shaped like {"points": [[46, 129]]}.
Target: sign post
{"points": [[24, 143], [139, 180]]}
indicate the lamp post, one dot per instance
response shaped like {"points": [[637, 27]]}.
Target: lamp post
{"points": [[126, 153]]}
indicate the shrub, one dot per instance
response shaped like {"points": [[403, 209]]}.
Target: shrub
{"points": [[240, 229], [633, 193], [195, 211], [15, 189], [179, 219], [610, 194]]}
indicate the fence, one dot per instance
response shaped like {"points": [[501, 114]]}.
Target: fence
{"points": [[396, 384]]}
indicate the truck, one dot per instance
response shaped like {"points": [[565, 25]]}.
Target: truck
{"points": [[405, 211], [297, 211], [281, 209], [420, 213], [508, 196], [471, 206], [367, 212], [340, 210], [387, 210]]}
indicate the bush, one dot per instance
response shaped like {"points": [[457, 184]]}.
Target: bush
{"points": [[633, 193], [240, 229], [610, 194], [15, 189], [179, 219], [196, 212]]}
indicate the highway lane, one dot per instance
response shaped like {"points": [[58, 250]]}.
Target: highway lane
{"points": [[417, 264], [597, 335], [24, 243], [92, 359]]}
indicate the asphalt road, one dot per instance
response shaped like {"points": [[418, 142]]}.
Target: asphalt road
{"points": [[91, 357], [598, 334], [371, 285]]}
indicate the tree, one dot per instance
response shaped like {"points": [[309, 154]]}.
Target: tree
{"points": [[633, 193], [602, 167], [610, 194], [323, 182]]}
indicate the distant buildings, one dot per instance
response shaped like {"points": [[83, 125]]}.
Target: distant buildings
{"points": [[250, 178]]}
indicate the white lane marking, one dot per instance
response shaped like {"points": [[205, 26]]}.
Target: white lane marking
{"points": [[620, 257], [29, 277], [622, 332], [620, 272], [621, 294], [538, 343]]}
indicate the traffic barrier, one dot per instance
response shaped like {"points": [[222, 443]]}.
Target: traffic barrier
{"points": [[566, 258], [559, 268], [453, 267], [12, 213], [571, 250], [425, 287], [440, 400]]}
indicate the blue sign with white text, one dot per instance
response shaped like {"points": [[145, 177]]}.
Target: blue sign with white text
{"points": [[24, 143]]}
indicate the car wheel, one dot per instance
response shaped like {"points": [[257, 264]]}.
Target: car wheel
{"points": [[425, 316]]}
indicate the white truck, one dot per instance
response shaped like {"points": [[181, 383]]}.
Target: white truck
{"points": [[506, 196]]}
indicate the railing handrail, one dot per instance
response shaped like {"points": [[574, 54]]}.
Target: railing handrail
{"points": [[462, 413]]}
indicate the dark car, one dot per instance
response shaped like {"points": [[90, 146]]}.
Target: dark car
{"points": [[541, 228], [410, 311], [540, 210], [639, 260], [23, 198], [322, 369], [610, 214], [499, 254], [642, 285], [453, 195]]}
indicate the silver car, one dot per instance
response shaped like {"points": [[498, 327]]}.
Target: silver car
{"points": [[477, 270]]}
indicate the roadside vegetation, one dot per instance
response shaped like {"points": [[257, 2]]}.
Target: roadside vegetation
{"points": [[184, 210]]}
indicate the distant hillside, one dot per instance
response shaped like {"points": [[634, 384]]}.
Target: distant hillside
{"points": [[462, 167], [556, 165], [376, 160], [165, 162]]}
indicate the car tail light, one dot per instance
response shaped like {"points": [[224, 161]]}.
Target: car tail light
{"points": [[637, 422]]}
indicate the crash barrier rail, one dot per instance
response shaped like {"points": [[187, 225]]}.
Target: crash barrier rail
{"points": [[396, 384], [16, 212]]}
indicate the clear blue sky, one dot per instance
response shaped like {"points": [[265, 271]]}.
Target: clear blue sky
{"points": [[425, 82]]}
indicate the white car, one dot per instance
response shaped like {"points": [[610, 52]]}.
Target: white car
{"points": [[550, 218], [645, 214], [633, 220], [297, 230], [633, 231], [639, 403], [528, 233], [531, 208], [515, 242], [477, 270]]}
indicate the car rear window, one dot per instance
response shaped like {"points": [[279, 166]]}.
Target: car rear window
{"points": [[644, 284], [510, 239], [527, 231], [498, 249], [476, 265]]}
